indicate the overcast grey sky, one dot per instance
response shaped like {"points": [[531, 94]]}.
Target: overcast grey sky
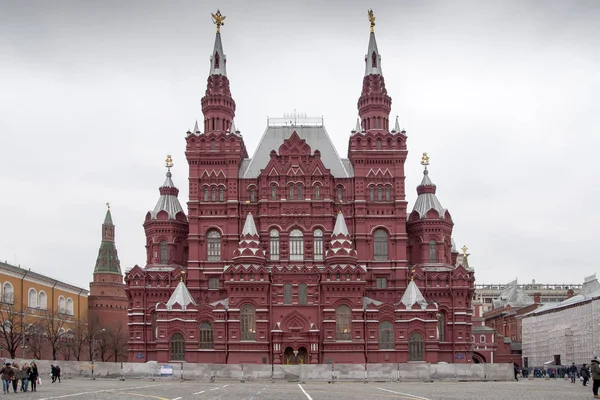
{"points": [[503, 95]]}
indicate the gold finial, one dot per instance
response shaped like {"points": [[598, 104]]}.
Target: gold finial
{"points": [[218, 20], [169, 162], [425, 160], [108, 206], [464, 250], [182, 275], [372, 20]]}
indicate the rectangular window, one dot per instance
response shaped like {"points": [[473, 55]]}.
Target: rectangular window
{"points": [[296, 249], [388, 194], [221, 194], [318, 244], [213, 283], [381, 283], [274, 248]]}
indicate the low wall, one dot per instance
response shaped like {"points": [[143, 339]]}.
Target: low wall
{"points": [[308, 372]]}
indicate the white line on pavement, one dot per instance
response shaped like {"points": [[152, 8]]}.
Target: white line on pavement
{"points": [[304, 391], [217, 388], [96, 391], [199, 392], [224, 386], [405, 394], [177, 398]]}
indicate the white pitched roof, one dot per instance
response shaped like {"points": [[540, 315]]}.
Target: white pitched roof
{"points": [[180, 296], [340, 225], [413, 295], [249, 226]]}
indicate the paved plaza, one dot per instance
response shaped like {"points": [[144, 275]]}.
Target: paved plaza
{"points": [[174, 390]]}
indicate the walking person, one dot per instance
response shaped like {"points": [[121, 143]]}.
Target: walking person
{"points": [[33, 375], [57, 375], [16, 376], [7, 374], [25, 372], [573, 372]]}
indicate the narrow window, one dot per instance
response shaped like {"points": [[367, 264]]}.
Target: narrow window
{"points": [[43, 303], [415, 347], [61, 305], [374, 60], [302, 294], [339, 194], [380, 244], [32, 298], [217, 60], [381, 283], [386, 336], [213, 196], [205, 336], [378, 141], [213, 283], [252, 195], [70, 306], [205, 194], [388, 193], [371, 194], [342, 323], [318, 244], [300, 192], [155, 325], [273, 192], [287, 293], [317, 192], [212, 142], [164, 252], [441, 327], [274, 244], [8, 293], [482, 339], [214, 246], [177, 347], [432, 251], [296, 245], [248, 322], [379, 194], [291, 197], [221, 194]]}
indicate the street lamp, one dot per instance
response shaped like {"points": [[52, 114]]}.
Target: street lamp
{"points": [[94, 350]]}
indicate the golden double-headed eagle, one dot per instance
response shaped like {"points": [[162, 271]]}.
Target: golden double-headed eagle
{"points": [[218, 20], [372, 20]]}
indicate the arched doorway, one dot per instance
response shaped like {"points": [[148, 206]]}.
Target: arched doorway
{"points": [[302, 356], [289, 357], [478, 358], [177, 347], [294, 357]]}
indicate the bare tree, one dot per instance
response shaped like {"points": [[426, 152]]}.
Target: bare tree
{"points": [[54, 325], [11, 326], [35, 339], [78, 339], [117, 340]]}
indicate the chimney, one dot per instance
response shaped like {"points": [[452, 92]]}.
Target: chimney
{"points": [[570, 293], [537, 297]]}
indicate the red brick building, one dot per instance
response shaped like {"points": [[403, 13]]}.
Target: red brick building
{"points": [[296, 255], [107, 301]]}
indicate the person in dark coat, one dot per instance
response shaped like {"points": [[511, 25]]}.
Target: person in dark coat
{"points": [[585, 374], [33, 376], [573, 372], [7, 376]]}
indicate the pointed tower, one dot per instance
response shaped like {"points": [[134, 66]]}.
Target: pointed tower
{"points": [[166, 226], [248, 251], [429, 225], [341, 249], [107, 301], [218, 106]]}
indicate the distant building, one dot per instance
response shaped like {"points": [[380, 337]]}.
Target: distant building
{"points": [[565, 332], [38, 314], [107, 301]]}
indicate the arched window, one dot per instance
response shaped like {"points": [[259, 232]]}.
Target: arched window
{"points": [[61, 305], [371, 194], [380, 243], [415, 347], [432, 251], [300, 192], [206, 335], [340, 193], [70, 306], [482, 339], [217, 60], [287, 293], [302, 294], [221, 194], [32, 298], [274, 244], [378, 141], [386, 335], [379, 193], [374, 60], [205, 194], [291, 197], [273, 192], [318, 244], [164, 252], [248, 322], [214, 246], [342, 323], [8, 294], [296, 245], [43, 301], [213, 195], [388, 193], [252, 195], [317, 192], [441, 327], [177, 347], [212, 142]]}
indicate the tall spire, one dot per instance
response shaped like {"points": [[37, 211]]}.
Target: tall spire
{"points": [[426, 199], [217, 105], [249, 244], [168, 200], [108, 259], [374, 104]]}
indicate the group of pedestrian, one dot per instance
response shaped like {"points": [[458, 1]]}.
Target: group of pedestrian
{"points": [[12, 374], [55, 373]]}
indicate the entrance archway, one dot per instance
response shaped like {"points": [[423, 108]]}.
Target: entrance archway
{"points": [[294, 357], [478, 358], [289, 358], [302, 356]]}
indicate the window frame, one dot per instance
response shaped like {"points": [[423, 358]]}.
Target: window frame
{"points": [[386, 335], [296, 245], [343, 325], [213, 245]]}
